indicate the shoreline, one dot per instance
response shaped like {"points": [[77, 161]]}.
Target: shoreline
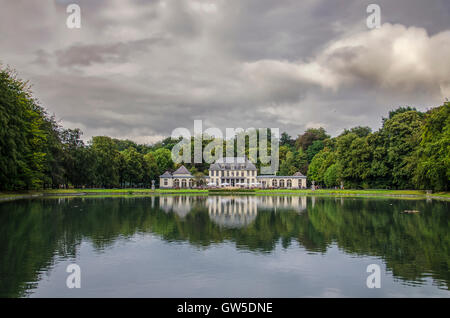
{"points": [[418, 194]]}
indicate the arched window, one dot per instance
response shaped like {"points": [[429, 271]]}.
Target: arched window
{"points": [[281, 183], [274, 183], [191, 183], [183, 183], [289, 183], [177, 183]]}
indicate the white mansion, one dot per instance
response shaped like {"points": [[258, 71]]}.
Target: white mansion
{"points": [[232, 172]]}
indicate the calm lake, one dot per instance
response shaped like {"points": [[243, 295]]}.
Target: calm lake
{"points": [[224, 246]]}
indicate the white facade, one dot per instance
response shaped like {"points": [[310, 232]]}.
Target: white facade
{"points": [[181, 178], [233, 172]]}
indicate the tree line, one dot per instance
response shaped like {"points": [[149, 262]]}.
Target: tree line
{"points": [[410, 150]]}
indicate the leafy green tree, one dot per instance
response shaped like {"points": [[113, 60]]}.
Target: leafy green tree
{"points": [[286, 140], [122, 170], [380, 175], [309, 136], [163, 157], [283, 150], [433, 154], [315, 147], [359, 131], [399, 110], [354, 158], [54, 160], [151, 170], [331, 176], [301, 161], [23, 135], [76, 168], [125, 144], [320, 164], [85, 165], [401, 134], [106, 161], [134, 163], [288, 167]]}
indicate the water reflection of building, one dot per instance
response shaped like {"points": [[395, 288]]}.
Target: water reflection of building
{"points": [[297, 203], [232, 211], [241, 211], [181, 205]]}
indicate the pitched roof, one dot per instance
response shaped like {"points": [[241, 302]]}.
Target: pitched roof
{"points": [[223, 162], [182, 170], [214, 166], [250, 166], [232, 160], [166, 174], [298, 174]]}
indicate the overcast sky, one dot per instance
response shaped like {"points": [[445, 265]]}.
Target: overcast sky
{"points": [[140, 68]]}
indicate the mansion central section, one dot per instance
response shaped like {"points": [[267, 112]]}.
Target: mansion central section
{"points": [[232, 172]]}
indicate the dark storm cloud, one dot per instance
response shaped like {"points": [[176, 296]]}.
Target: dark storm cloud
{"points": [[85, 55], [42, 57], [139, 69]]}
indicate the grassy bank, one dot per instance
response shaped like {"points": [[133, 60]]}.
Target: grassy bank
{"points": [[109, 192], [131, 192], [350, 191], [136, 191]]}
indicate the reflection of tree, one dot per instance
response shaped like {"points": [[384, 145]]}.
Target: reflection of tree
{"points": [[33, 232], [412, 246]]}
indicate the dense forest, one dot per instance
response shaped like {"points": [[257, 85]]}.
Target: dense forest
{"points": [[410, 151]]}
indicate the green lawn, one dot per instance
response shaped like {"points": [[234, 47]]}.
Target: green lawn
{"points": [[138, 191], [332, 191], [125, 191], [9, 195], [371, 192], [374, 192]]}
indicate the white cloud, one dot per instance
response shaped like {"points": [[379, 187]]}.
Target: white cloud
{"points": [[393, 58]]}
